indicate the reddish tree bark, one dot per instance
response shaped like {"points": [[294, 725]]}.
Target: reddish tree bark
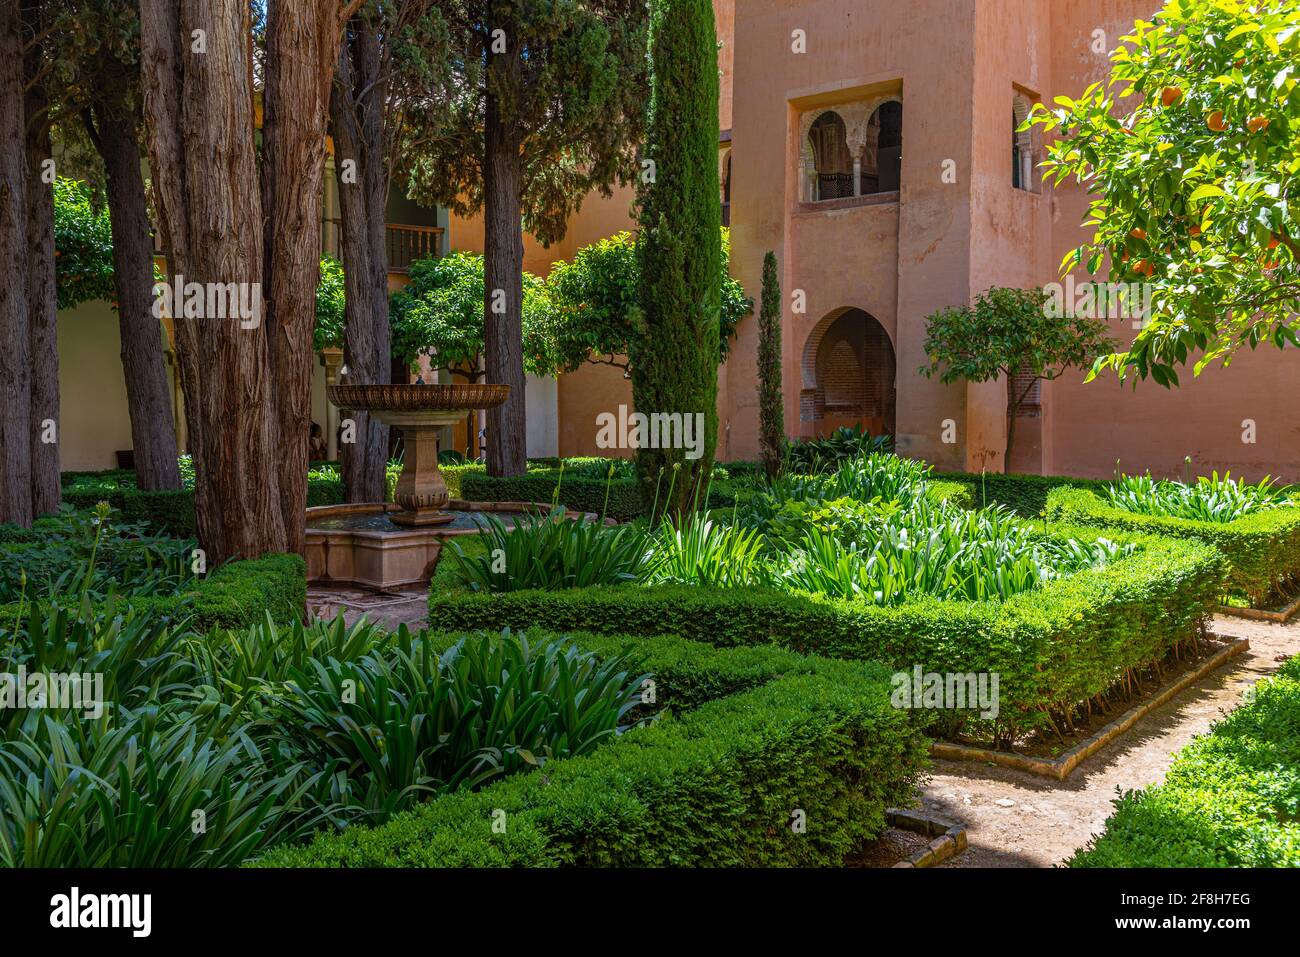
{"points": [[15, 345], [357, 106], [247, 387], [43, 317], [200, 111], [503, 289], [115, 128]]}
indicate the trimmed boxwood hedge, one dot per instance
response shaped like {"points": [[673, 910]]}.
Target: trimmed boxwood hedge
{"points": [[168, 512], [1024, 494], [1231, 798], [1053, 648], [235, 595], [1262, 548], [715, 786], [538, 485]]}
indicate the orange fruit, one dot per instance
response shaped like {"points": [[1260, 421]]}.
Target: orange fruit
{"points": [[1257, 124], [1216, 122], [1194, 231], [1170, 95], [1139, 233]]}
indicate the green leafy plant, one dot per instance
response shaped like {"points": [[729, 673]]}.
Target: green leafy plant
{"points": [[809, 456], [439, 313], [552, 551], [696, 548], [1210, 499], [1013, 334], [597, 314], [417, 720], [1189, 151]]}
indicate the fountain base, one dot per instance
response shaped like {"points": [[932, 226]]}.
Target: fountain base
{"points": [[370, 546]]}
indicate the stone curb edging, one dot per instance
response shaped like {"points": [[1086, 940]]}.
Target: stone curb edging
{"points": [[1280, 617], [1061, 767], [949, 839]]}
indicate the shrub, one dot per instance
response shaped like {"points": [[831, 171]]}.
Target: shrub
{"points": [[715, 786], [1231, 797], [115, 776], [238, 594], [810, 456], [423, 719], [1211, 499], [1262, 548], [1054, 647], [932, 549], [1026, 495], [126, 793], [550, 551], [697, 549], [618, 499], [73, 555]]}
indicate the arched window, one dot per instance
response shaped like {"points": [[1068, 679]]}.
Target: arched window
{"points": [[882, 149], [1024, 152], [833, 164]]}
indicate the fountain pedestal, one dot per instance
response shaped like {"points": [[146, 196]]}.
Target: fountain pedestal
{"points": [[421, 490], [419, 411]]}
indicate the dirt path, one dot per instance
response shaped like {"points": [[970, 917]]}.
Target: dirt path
{"points": [[1015, 819]]}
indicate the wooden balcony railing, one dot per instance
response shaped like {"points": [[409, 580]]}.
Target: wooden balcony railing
{"points": [[404, 244]]}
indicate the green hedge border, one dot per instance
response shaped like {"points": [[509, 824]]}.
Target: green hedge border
{"points": [[1229, 799], [1262, 549], [1026, 495], [1053, 648], [235, 595], [716, 785]]}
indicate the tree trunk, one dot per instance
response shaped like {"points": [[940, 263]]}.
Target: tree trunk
{"points": [[357, 123], [148, 397], [503, 289], [1011, 438], [15, 344], [302, 47], [43, 315], [201, 145]]}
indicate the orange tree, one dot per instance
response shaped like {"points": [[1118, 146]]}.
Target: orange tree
{"points": [[1192, 150]]}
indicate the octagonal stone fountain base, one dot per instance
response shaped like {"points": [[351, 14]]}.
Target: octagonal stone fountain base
{"points": [[362, 545]]}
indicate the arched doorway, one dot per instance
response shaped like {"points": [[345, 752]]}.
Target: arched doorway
{"points": [[848, 375]]}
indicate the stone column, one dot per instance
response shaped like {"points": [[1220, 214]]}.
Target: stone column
{"points": [[332, 360]]}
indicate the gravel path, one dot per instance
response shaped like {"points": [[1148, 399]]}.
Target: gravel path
{"points": [[1015, 819]]}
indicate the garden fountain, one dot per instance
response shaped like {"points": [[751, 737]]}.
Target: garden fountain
{"points": [[386, 546]]}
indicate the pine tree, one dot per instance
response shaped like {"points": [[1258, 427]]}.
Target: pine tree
{"points": [[675, 368], [543, 104], [771, 413]]}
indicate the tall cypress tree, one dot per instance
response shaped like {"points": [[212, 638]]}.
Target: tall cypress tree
{"points": [[771, 414], [675, 368]]}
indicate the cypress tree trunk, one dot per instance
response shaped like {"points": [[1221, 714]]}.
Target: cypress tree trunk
{"points": [[203, 163], [15, 319], [302, 48], [357, 125], [771, 403], [114, 128], [503, 276], [680, 248], [43, 317]]}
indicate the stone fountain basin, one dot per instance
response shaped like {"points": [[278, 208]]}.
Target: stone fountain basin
{"points": [[361, 545]]}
